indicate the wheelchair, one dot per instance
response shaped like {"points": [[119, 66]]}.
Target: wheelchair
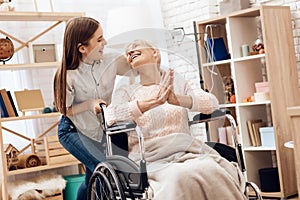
{"points": [[121, 178]]}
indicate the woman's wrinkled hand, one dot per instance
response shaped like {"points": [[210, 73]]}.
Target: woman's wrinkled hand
{"points": [[166, 85], [172, 98]]}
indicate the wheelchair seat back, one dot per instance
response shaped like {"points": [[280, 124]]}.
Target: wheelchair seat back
{"points": [[225, 151]]}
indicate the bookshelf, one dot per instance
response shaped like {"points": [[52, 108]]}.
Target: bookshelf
{"points": [[274, 65], [55, 19]]}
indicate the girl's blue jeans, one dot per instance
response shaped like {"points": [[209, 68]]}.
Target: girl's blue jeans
{"points": [[88, 151]]}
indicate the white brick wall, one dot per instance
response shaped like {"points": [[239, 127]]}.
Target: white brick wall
{"points": [[182, 14]]}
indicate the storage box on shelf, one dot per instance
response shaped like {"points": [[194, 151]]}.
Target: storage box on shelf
{"points": [[237, 30], [55, 19]]}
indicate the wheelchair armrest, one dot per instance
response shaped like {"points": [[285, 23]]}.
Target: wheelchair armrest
{"points": [[120, 127], [217, 114]]}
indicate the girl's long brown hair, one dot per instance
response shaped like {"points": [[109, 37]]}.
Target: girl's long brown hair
{"points": [[78, 31]]}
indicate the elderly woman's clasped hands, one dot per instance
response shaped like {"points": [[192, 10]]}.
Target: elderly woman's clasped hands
{"points": [[166, 92]]}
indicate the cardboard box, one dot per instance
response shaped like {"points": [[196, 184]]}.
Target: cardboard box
{"points": [[230, 6], [261, 96], [44, 53], [267, 136]]}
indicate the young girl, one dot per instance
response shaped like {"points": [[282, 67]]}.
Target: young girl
{"points": [[85, 79]]}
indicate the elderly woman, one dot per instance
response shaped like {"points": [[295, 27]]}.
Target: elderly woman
{"points": [[179, 166]]}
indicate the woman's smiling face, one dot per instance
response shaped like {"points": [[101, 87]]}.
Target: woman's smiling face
{"points": [[140, 54]]}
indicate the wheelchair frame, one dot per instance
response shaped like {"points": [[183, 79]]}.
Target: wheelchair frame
{"points": [[121, 178]]}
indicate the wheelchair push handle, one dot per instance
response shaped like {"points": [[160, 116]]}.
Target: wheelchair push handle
{"points": [[103, 107]]}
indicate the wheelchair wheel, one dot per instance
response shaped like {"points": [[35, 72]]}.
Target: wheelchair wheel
{"points": [[104, 184], [99, 187]]}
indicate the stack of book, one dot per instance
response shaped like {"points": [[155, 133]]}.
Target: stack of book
{"points": [[253, 129], [7, 105], [225, 135]]}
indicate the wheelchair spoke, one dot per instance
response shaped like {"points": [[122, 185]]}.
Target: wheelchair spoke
{"points": [[105, 184], [100, 187]]}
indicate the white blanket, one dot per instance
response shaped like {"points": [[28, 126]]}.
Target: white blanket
{"points": [[183, 168], [43, 186]]}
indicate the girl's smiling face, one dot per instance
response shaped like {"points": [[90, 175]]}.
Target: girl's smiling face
{"points": [[94, 49]]}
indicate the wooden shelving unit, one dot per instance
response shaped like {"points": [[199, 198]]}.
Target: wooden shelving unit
{"points": [[273, 25], [56, 18]]}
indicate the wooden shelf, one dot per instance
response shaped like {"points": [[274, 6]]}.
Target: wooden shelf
{"points": [[267, 194], [259, 148], [258, 56], [240, 59], [229, 105], [38, 16], [42, 65], [255, 103], [46, 115], [249, 12], [41, 168], [222, 62]]}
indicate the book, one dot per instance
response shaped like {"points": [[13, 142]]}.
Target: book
{"points": [[3, 108], [7, 103], [229, 136], [256, 127], [12, 103], [252, 135], [222, 135]]}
